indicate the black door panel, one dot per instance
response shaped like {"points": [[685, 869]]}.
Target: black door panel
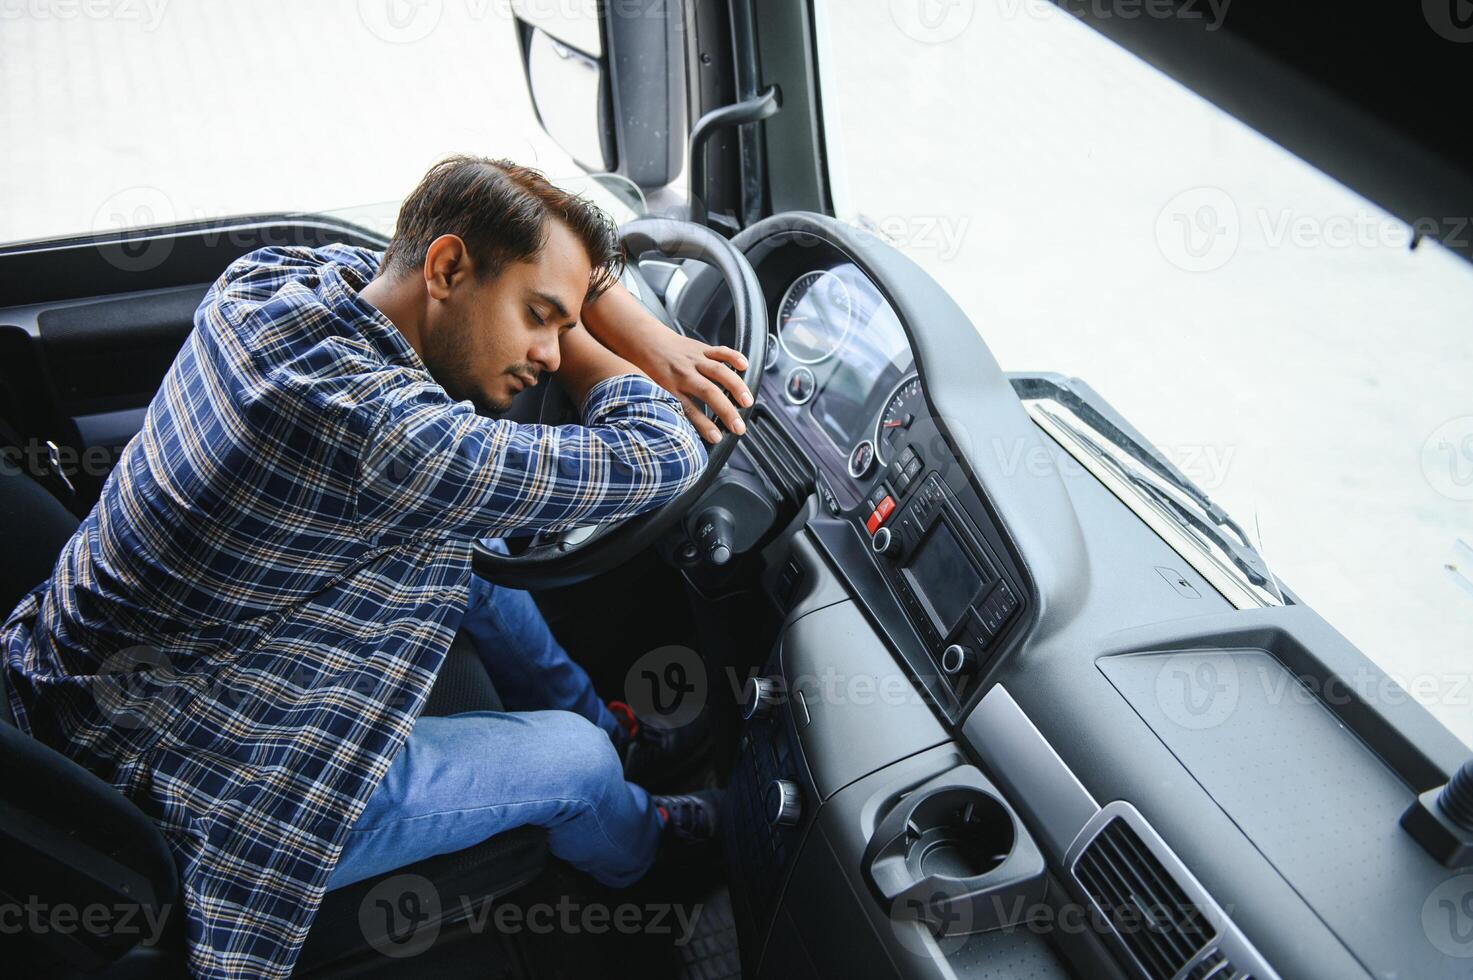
{"points": [[89, 327]]}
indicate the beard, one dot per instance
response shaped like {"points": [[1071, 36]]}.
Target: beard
{"points": [[449, 354]]}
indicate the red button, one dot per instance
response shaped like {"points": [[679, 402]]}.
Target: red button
{"points": [[886, 508], [881, 514]]}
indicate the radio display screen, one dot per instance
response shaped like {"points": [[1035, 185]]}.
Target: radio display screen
{"points": [[942, 575]]}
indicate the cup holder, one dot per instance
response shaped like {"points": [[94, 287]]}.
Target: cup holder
{"points": [[959, 833], [953, 854]]}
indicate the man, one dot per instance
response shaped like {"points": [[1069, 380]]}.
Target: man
{"points": [[289, 539]]}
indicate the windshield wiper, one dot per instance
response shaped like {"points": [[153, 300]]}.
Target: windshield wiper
{"points": [[1218, 528], [1206, 517]]}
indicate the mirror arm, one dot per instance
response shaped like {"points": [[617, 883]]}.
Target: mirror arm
{"points": [[755, 109]]}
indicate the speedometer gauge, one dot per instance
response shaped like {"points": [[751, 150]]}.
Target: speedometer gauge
{"points": [[814, 317], [902, 408]]}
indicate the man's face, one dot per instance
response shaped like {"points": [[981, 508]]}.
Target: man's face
{"points": [[484, 341]]}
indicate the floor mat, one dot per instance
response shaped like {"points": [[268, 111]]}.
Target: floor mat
{"points": [[711, 952]]}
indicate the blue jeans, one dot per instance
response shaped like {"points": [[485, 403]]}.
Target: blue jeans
{"points": [[549, 760]]}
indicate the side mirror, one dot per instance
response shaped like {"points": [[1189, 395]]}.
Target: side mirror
{"points": [[607, 81]]}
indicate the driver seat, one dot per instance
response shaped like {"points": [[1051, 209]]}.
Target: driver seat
{"points": [[72, 841]]}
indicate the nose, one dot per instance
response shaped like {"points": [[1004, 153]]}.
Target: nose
{"points": [[546, 354]]}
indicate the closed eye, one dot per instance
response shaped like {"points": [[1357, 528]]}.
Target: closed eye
{"points": [[536, 317]]}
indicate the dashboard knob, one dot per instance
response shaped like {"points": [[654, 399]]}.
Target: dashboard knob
{"points": [[784, 803], [714, 535], [758, 697], [956, 658], [885, 543]]}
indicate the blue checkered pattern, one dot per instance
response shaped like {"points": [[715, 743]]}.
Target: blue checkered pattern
{"points": [[242, 632]]}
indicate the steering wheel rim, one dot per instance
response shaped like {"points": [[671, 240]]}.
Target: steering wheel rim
{"points": [[570, 558]]}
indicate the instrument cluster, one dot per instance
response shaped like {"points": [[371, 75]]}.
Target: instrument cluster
{"points": [[845, 368]]}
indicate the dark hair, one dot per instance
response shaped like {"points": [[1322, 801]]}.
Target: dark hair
{"points": [[500, 210]]}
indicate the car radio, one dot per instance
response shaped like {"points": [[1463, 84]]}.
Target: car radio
{"points": [[949, 585]]}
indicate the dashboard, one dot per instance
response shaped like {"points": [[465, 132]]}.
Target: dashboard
{"points": [[913, 522], [841, 377]]}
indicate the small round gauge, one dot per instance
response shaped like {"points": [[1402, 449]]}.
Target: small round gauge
{"points": [[862, 459], [769, 354], [902, 408], [800, 385], [814, 317]]}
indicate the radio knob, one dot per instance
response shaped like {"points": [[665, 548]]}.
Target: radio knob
{"points": [[884, 543], [956, 658], [784, 803], [758, 697]]}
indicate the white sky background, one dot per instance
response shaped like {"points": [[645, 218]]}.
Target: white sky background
{"points": [[1310, 375]]}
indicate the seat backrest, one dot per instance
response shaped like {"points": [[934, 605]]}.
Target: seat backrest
{"points": [[68, 838], [34, 526]]}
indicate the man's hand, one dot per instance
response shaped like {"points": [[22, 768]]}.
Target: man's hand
{"points": [[694, 372]]}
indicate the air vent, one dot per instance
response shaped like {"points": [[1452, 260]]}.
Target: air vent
{"points": [[1215, 966], [1150, 912], [779, 460]]}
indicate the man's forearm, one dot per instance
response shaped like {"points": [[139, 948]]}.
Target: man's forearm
{"points": [[585, 362], [621, 323]]}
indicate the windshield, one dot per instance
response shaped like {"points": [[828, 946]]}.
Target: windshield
{"points": [[1266, 328]]}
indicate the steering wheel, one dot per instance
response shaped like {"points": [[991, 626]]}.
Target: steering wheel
{"points": [[563, 557]]}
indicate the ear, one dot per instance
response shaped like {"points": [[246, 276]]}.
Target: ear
{"points": [[447, 265]]}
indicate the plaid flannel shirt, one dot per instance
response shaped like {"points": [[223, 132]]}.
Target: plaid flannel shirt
{"points": [[242, 632]]}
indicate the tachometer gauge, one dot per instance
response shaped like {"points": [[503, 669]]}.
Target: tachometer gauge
{"points": [[814, 317], [902, 408]]}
